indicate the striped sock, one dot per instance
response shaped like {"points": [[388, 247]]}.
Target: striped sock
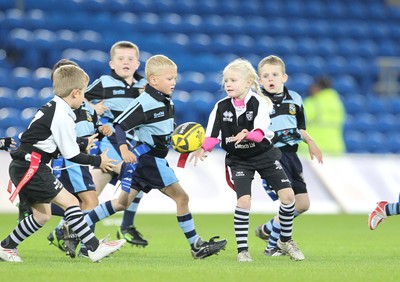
{"points": [[186, 223], [274, 235], [100, 212], [392, 209], [241, 224], [74, 217], [286, 216], [25, 228]]}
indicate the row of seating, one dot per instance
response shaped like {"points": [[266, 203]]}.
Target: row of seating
{"points": [[372, 9]]}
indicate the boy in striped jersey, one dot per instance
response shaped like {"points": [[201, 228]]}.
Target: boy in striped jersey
{"points": [[289, 125]]}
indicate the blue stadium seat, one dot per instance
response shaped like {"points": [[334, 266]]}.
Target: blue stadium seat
{"points": [[27, 97], [347, 47], [170, 23], [6, 97], [306, 46], [9, 117], [36, 19], [377, 105], [14, 19], [242, 44], [366, 122], [355, 142], [21, 77], [285, 46], [42, 78], [327, 47], [355, 104], [336, 65], [191, 24], [368, 49], [66, 39], [199, 43], [88, 40], [295, 64], [346, 85], [387, 123], [265, 45], [222, 44], [315, 66], [15, 131], [393, 143], [376, 143], [26, 116], [191, 81], [255, 27]]}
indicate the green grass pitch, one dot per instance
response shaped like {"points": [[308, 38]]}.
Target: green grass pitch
{"points": [[337, 248]]}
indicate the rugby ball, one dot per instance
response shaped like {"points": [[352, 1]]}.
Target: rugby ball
{"points": [[188, 137]]}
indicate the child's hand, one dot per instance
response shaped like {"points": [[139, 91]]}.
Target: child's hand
{"points": [[91, 142], [315, 151], [240, 136], [100, 108], [127, 155], [106, 163], [198, 154], [105, 130]]}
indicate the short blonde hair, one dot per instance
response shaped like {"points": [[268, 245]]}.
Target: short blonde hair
{"points": [[67, 78], [156, 64], [125, 45], [272, 60]]}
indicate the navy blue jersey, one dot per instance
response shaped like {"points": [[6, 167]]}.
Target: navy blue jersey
{"points": [[116, 92], [86, 121], [287, 118], [151, 116]]}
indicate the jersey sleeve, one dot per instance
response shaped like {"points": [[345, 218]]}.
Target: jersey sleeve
{"points": [[214, 124], [94, 91], [131, 117]]}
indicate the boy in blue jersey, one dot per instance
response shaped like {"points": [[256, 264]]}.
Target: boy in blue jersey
{"points": [[109, 96], [151, 115], [289, 125]]}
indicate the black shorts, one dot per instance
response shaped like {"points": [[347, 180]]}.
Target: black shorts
{"points": [[266, 164], [42, 188], [294, 170]]}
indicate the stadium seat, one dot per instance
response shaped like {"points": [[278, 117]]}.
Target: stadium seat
{"points": [[306, 46], [387, 123], [9, 117], [27, 97], [256, 27], [36, 19], [366, 122], [26, 116], [346, 85], [376, 143], [355, 104], [42, 78], [15, 131], [191, 24], [355, 142], [199, 43], [21, 77], [6, 97], [191, 81], [393, 142]]}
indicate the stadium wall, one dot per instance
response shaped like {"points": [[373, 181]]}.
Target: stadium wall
{"points": [[348, 184]]}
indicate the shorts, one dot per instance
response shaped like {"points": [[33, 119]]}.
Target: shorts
{"points": [[152, 173], [75, 178], [266, 164], [42, 188], [294, 170]]}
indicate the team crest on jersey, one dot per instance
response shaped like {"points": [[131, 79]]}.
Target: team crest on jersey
{"points": [[292, 109], [89, 116], [227, 116], [249, 115]]}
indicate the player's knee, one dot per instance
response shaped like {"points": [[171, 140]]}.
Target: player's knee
{"points": [[286, 196]]}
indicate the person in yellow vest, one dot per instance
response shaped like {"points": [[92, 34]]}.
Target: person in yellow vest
{"points": [[325, 116]]}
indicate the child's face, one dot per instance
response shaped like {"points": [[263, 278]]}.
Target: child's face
{"points": [[78, 95], [124, 62], [166, 81], [272, 78], [235, 85]]}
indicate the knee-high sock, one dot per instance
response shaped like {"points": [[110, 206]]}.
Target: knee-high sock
{"points": [[98, 213], [286, 216], [186, 223], [241, 224], [25, 228]]}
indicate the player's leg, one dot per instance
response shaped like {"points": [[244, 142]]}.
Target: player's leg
{"points": [[127, 230], [199, 248], [74, 216], [41, 213], [242, 214], [381, 212]]}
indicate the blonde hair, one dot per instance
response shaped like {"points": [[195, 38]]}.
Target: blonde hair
{"points": [[272, 60], [246, 69], [126, 45], [67, 78], [156, 64]]}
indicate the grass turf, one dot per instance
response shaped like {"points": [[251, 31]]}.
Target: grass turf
{"points": [[337, 248]]}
